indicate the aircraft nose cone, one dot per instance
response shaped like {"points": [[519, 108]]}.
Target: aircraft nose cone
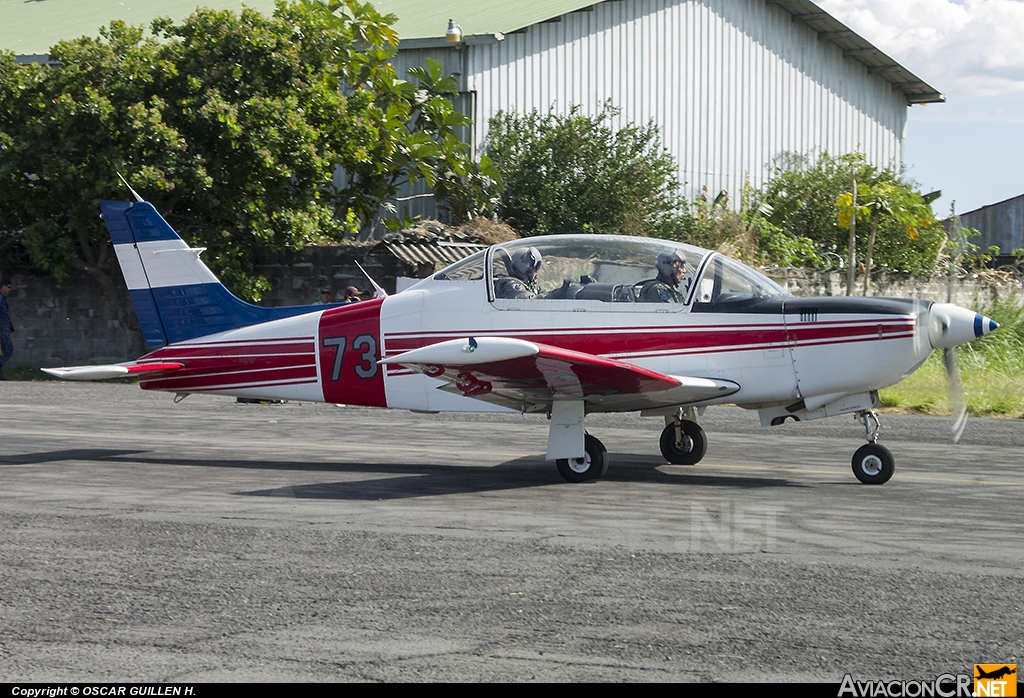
{"points": [[950, 325], [983, 325]]}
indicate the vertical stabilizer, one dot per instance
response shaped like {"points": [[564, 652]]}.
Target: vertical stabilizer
{"points": [[176, 296]]}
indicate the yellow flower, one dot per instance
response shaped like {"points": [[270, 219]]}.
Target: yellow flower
{"points": [[845, 202]]}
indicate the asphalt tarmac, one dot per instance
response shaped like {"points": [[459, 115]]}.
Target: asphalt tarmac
{"points": [[215, 541]]}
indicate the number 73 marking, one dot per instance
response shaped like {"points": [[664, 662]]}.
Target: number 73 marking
{"points": [[367, 368]]}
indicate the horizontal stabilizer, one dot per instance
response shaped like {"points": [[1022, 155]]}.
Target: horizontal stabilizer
{"points": [[98, 373]]}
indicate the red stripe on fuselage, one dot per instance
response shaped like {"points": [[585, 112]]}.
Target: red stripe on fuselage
{"points": [[243, 364], [666, 341], [234, 379], [229, 364], [233, 363], [238, 387]]}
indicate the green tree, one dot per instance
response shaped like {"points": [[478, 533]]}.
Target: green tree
{"points": [[466, 188], [804, 193], [886, 201], [574, 174], [234, 126], [66, 132]]}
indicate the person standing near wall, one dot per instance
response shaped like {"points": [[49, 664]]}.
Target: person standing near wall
{"points": [[6, 327]]}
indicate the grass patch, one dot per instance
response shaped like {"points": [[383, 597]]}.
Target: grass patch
{"points": [[991, 369]]}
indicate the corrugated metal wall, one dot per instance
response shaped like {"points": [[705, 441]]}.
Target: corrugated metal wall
{"points": [[731, 83], [1000, 224]]}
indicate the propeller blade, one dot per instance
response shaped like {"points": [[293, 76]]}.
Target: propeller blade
{"points": [[922, 347], [956, 394]]}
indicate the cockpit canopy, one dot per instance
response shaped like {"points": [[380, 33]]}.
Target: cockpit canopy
{"points": [[614, 269]]}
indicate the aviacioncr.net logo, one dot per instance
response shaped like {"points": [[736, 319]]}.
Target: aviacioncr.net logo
{"points": [[995, 680], [944, 686]]}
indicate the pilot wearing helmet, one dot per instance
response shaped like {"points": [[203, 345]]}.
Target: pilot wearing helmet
{"points": [[666, 287], [523, 282]]}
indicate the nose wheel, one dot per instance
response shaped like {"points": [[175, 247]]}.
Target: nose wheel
{"points": [[593, 465], [873, 464]]}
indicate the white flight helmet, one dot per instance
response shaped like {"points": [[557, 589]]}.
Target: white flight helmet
{"points": [[526, 260]]}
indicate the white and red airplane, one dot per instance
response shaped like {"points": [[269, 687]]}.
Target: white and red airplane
{"points": [[586, 342]]}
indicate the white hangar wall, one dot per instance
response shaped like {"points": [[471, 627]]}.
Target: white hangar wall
{"points": [[732, 84]]}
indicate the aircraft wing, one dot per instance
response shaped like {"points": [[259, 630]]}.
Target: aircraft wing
{"points": [[95, 373], [521, 375]]}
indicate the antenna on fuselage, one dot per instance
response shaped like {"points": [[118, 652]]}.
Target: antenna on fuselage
{"points": [[379, 292]]}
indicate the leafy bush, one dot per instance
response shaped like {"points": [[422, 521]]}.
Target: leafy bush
{"points": [[575, 174]]}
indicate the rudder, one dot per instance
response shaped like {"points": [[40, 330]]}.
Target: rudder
{"points": [[176, 296]]}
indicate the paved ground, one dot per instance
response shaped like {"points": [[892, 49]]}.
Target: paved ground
{"points": [[213, 541]]}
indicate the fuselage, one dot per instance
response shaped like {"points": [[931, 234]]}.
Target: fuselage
{"points": [[589, 295], [778, 350]]}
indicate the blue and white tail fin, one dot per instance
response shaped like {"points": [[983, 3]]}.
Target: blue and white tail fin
{"points": [[176, 296]]}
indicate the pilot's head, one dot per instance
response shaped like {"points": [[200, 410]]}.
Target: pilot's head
{"points": [[526, 263], [671, 267]]}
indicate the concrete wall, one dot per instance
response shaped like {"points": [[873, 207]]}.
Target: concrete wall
{"points": [[72, 323], [970, 293], [67, 323], [298, 280]]}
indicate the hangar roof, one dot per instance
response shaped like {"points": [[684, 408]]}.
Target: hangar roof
{"points": [[31, 28]]}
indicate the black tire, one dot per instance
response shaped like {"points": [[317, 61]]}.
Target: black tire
{"points": [[873, 464], [690, 450], [593, 467]]}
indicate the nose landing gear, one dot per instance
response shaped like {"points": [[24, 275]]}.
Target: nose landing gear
{"points": [[873, 464]]}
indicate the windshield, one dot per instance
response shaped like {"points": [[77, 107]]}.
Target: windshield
{"points": [[727, 281], [469, 269], [608, 268]]}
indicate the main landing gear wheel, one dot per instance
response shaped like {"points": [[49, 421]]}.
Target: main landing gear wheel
{"points": [[688, 448], [873, 464], [593, 466]]}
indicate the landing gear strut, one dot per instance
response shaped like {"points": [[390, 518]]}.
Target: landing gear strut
{"points": [[873, 464], [683, 441]]}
